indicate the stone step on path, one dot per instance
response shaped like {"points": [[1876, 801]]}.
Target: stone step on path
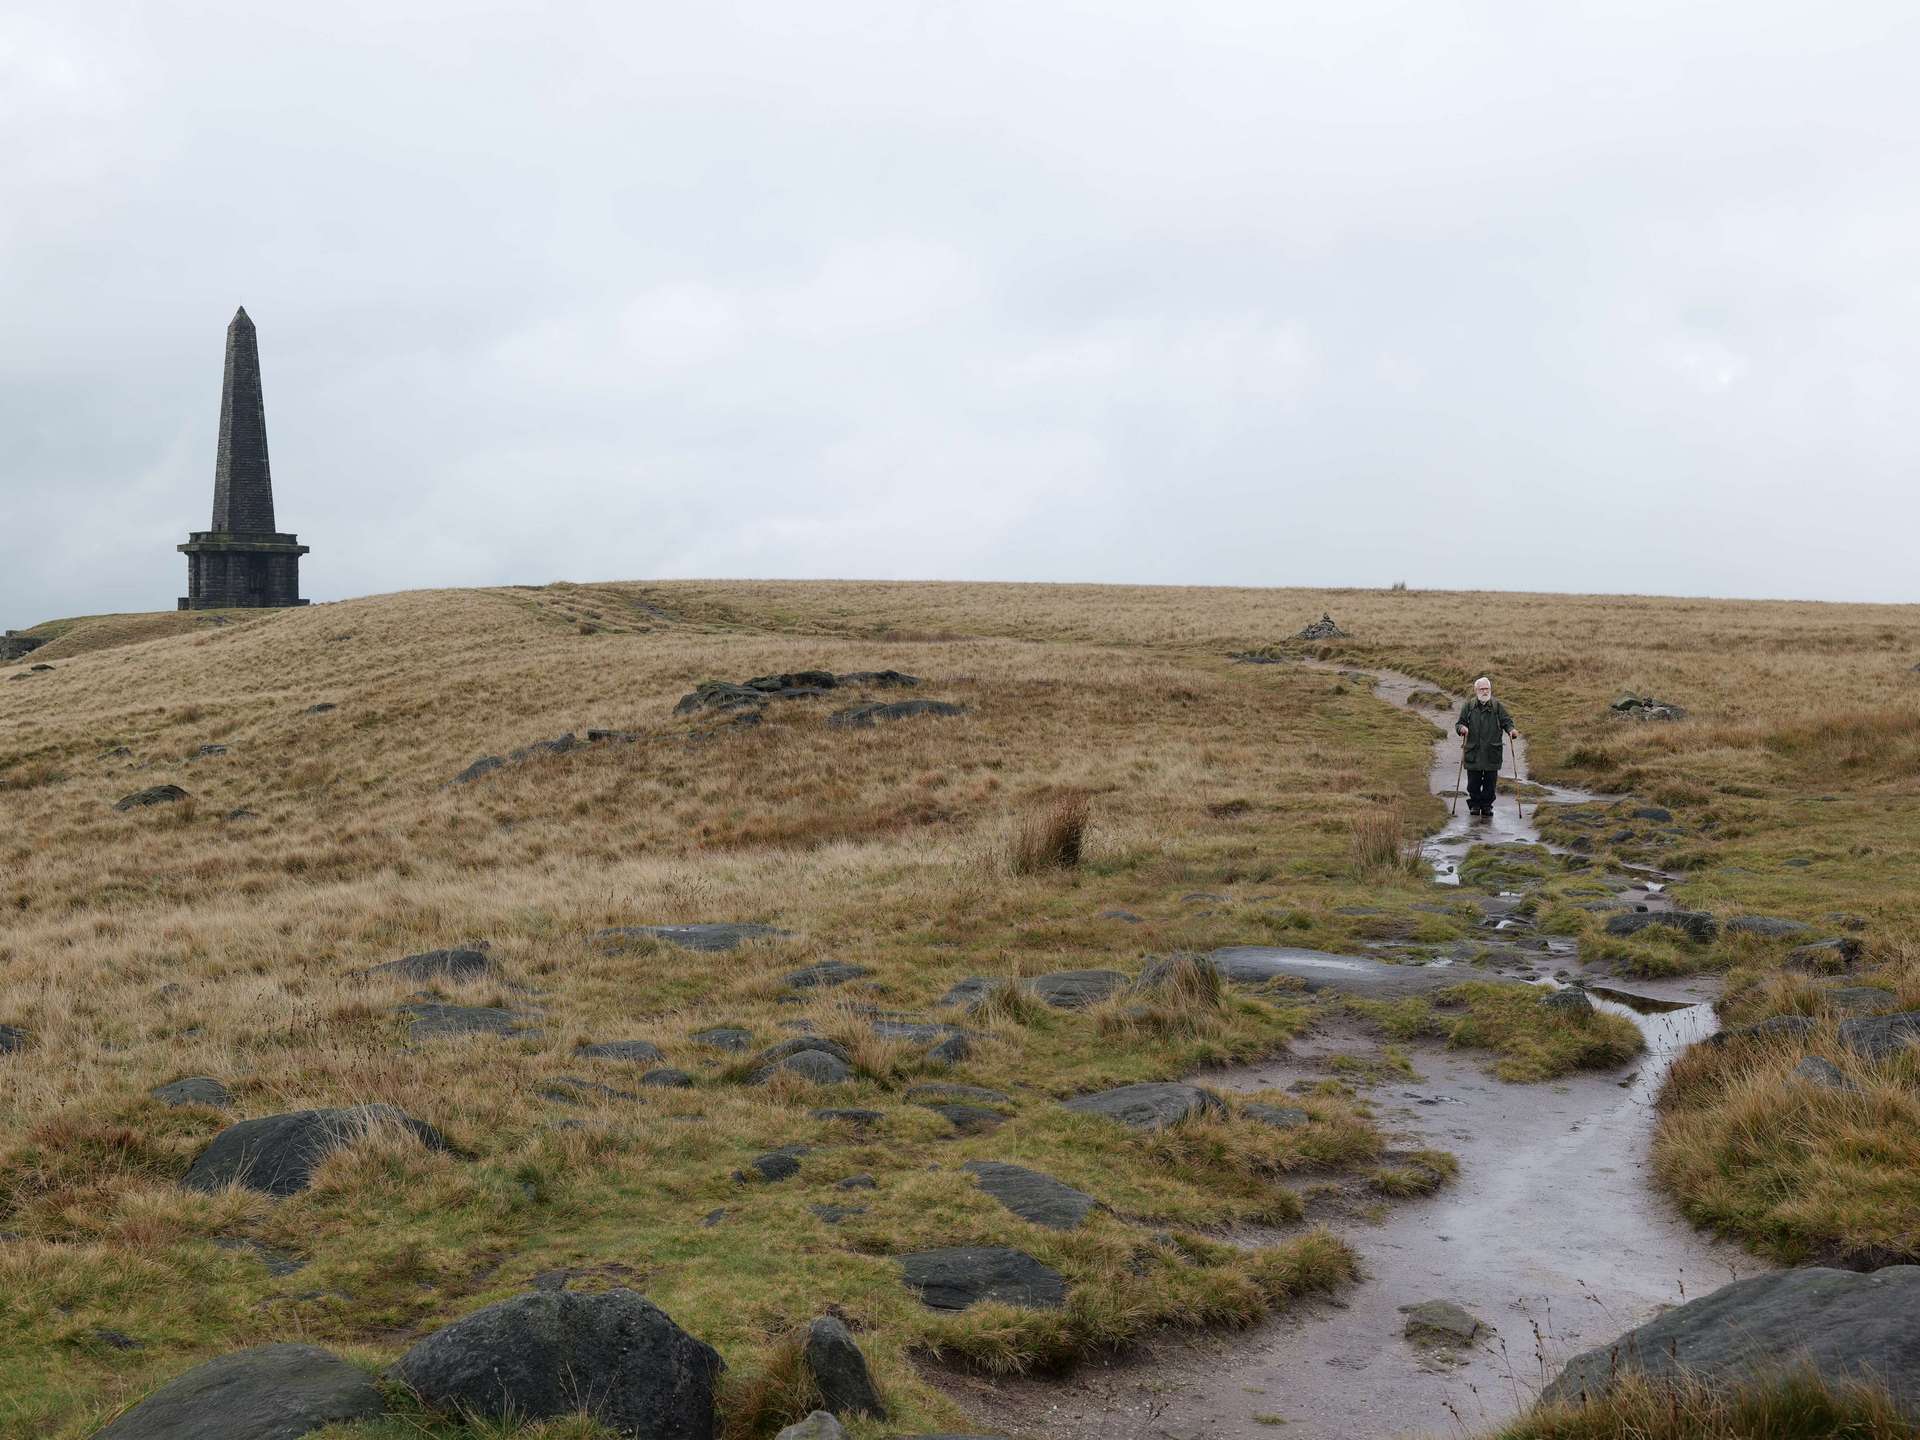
{"points": [[278, 1392], [1035, 1197], [960, 1276]]}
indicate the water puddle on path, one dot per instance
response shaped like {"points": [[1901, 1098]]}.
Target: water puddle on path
{"points": [[1552, 1233]]}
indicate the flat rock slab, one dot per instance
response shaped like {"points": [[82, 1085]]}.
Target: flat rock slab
{"points": [[964, 1275], [712, 937], [1280, 1117], [460, 963], [278, 1154], [639, 1052], [859, 1119], [1317, 970], [432, 1020], [970, 1119], [865, 717], [1149, 1106], [918, 1032], [1827, 957], [194, 1090], [724, 1037], [1034, 1197], [825, 975], [667, 1078], [1441, 1322], [1858, 1000], [615, 1355], [1847, 1326], [1881, 1037], [272, 1392], [152, 795]]}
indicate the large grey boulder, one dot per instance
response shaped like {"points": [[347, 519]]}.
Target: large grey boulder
{"points": [[1034, 1197], [1697, 925], [615, 1356], [964, 1275], [272, 1392], [1847, 1326], [1076, 989], [839, 1370], [278, 1154], [812, 1057], [1827, 957], [1149, 1106]]}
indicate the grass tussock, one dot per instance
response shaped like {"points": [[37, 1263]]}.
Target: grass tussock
{"points": [[1532, 1041], [1053, 837], [1805, 1171], [1796, 1406], [1378, 847]]}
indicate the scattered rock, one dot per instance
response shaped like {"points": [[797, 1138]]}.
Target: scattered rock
{"points": [[856, 1182], [1880, 1037], [571, 1090], [668, 1078], [1827, 957], [825, 975], [822, 1067], [241, 814], [1321, 629], [839, 1370], [115, 1339], [1571, 1001], [118, 752], [1064, 990], [724, 1037], [485, 765], [639, 1052], [601, 736], [1816, 1071], [1149, 1106], [271, 1392], [1034, 1197], [321, 709], [781, 1164], [1658, 813], [12, 1038], [970, 1119], [1441, 1322], [714, 937], [1846, 1326], [432, 1020], [834, 1214], [865, 717], [614, 1355], [964, 1275], [718, 695], [1776, 1027], [1281, 1117], [952, 1050], [1125, 917], [1770, 927], [880, 680], [463, 963], [1645, 707], [194, 1090], [1844, 920], [152, 795], [817, 1426], [1698, 924], [277, 1154]]}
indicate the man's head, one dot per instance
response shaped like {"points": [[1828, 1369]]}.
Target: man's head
{"points": [[1483, 690]]}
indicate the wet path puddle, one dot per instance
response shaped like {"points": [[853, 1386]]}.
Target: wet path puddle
{"points": [[1552, 1233]]}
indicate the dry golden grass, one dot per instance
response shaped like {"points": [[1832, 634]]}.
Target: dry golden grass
{"points": [[140, 947], [1794, 1406]]}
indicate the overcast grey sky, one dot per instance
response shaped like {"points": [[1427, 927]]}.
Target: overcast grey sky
{"points": [[1614, 297]]}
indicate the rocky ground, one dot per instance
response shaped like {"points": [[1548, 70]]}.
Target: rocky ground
{"points": [[366, 1085]]}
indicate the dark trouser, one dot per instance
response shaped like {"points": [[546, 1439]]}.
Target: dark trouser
{"points": [[1480, 787]]}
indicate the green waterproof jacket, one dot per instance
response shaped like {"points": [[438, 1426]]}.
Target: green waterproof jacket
{"points": [[1486, 725]]}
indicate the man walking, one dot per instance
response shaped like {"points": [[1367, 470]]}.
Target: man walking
{"points": [[1483, 720]]}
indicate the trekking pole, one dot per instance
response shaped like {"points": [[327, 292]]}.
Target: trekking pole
{"points": [[1517, 808], [1453, 804]]}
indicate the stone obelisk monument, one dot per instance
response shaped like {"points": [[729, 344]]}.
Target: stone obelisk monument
{"points": [[242, 561]]}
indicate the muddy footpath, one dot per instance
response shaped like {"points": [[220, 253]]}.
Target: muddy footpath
{"points": [[1551, 1239]]}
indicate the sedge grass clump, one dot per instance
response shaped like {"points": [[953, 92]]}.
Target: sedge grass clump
{"points": [[1796, 1405], [1054, 837], [1378, 847], [1420, 1172], [1803, 1169]]}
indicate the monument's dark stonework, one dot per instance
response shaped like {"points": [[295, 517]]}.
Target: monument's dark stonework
{"points": [[242, 561]]}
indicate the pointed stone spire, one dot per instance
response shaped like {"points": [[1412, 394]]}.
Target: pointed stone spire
{"points": [[242, 483]]}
